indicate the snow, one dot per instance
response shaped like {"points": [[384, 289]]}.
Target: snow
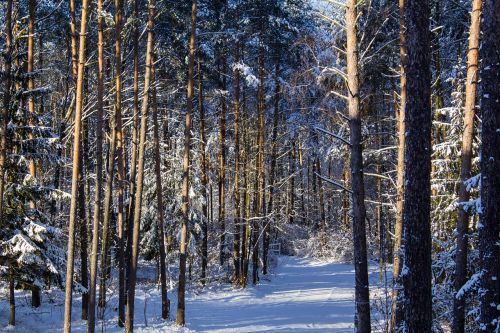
{"points": [[302, 295]]}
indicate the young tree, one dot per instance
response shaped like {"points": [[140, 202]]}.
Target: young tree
{"points": [[489, 215], [181, 305], [75, 173], [416, 270]]}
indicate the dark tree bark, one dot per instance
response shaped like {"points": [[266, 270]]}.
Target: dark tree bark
{"points": [[204, 177], [121, 162], [362, 293], [181, 305], [260, 180], [466, 165], [489, 217], [222, 159], [416, 275], [236, 190], [272, 171]]}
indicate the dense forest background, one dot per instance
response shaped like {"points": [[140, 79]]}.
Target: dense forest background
{"points": [[291, 137]]}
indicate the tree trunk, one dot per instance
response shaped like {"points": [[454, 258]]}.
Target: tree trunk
{"points": [[397, 310], [135, 128], [417, 293], [181, 306], [362, 294], [121, 162], [272, 171], [6, 102], [98, 169], [204, 177], [12, 297], [222, 159], [245, 243], [82, 223], [260, 210], [106, 217], [35, 290], [74, 177], [466, 165], [129, 325], [180, 318], [236, 191], [489, 216], [159, 198]]}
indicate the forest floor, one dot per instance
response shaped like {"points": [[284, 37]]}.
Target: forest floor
{"points": [[300, 295]]}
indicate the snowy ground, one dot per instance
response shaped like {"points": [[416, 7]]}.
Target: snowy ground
{"points": [[302, 295]]}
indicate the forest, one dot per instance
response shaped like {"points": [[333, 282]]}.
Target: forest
{"points": [[250, 166]]}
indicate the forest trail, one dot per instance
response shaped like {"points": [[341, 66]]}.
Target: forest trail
{"points": [[300, 295]]}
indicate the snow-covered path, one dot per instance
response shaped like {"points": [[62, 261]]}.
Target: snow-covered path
{"points": [[301, 295]]}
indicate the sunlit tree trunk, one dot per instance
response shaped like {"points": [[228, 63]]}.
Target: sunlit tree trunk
{"points": [[76, 171], [98, 169], [466, 165], [129, 324], [362, 294], [397, 310]]}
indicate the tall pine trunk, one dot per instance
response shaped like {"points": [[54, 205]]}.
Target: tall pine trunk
{"points": [[129, 324], [135, 129], [35, 290], [159, 200], [272, 171], [416, 277], [362, 293], [74, 177], [236, 190], [397, 310], [120, 150], [98, 169], [260, 179], [181, 305], [489, 217], [204, 177], [466, 165]]}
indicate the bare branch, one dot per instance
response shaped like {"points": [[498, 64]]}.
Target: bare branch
{"points": [[332, 134]]}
